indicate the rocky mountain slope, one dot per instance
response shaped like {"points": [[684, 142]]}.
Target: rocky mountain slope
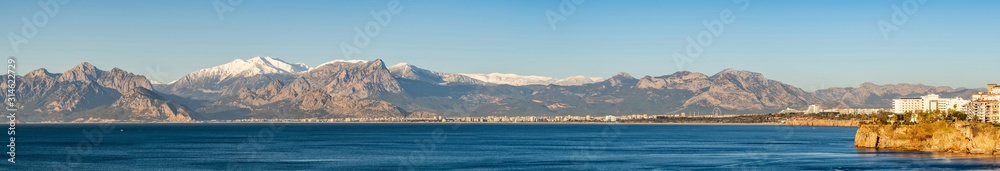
{"points": [[87, 93], [870, 95], [333, 90], [225, 80], [265, 87]]}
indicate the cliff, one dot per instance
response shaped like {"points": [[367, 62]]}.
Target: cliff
{"points": [[961, 137]]}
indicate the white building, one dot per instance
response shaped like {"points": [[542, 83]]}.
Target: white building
{"points": [[788, 111], [928, 103], [985, 106], [904, 105], [813, 109], [610, 118]]}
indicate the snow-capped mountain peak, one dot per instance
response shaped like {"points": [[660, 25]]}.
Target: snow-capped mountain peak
{"points": [[401, 66], [342, 61], [577, 80], [280, 64], [250, 67]]}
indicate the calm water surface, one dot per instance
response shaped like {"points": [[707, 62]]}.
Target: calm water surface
{"points": [[460, 147]]}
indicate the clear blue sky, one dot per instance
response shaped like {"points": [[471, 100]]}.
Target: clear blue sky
{"points": [[810, 44]]}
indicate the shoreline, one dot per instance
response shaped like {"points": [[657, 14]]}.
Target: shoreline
{"points": [[483, 123], [945, 137]]}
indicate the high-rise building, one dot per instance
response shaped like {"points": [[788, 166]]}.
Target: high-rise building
{"points": [[985, 106], [813, 109]]}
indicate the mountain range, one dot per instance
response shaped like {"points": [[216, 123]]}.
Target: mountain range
{"points": [[265, 87]]}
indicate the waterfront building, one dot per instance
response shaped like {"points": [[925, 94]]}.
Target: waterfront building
{"points": [[984, 110], [789, 111], [814, 109], [985, 106], [928, 103]]}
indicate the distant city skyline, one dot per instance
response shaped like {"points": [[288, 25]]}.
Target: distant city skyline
{"points": [[824, 44]]}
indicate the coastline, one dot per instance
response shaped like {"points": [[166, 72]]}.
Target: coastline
{"points": [[809, 120], [484, 123], [957, 137]]}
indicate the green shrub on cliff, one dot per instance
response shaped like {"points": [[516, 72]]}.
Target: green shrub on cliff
{"points": [[924, 130], [918, 116]]}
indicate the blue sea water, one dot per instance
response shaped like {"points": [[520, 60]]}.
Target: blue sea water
{"points": [[438, 146]]}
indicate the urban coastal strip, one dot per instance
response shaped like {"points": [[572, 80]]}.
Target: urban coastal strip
{"points": [[795, 119]]}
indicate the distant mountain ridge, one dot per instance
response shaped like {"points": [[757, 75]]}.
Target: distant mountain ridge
{"points": [[265, 87], [86, 93]]}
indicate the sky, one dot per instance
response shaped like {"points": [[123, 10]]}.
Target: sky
{"points": [[812, 44]]}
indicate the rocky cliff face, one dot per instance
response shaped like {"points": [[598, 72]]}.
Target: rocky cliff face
{"points": [[973, 138], [335, 90], [213, 88], [734, 90], [356, 80], [690, 81], [86, 92], [145, 105], [275, 102]]}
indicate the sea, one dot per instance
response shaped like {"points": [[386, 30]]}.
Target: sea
{"points": [[460, 146]]}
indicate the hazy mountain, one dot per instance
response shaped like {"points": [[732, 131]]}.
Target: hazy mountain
{"points": [[86, 92], [411, 72], [870, 95], [730, 91], [407, 71], [521, 80]]}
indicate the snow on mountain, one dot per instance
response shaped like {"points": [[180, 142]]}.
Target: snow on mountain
{"points": [[577, 80], [268, 65], [407, 71], [521, 80], [250, 67], [342, 60]]}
